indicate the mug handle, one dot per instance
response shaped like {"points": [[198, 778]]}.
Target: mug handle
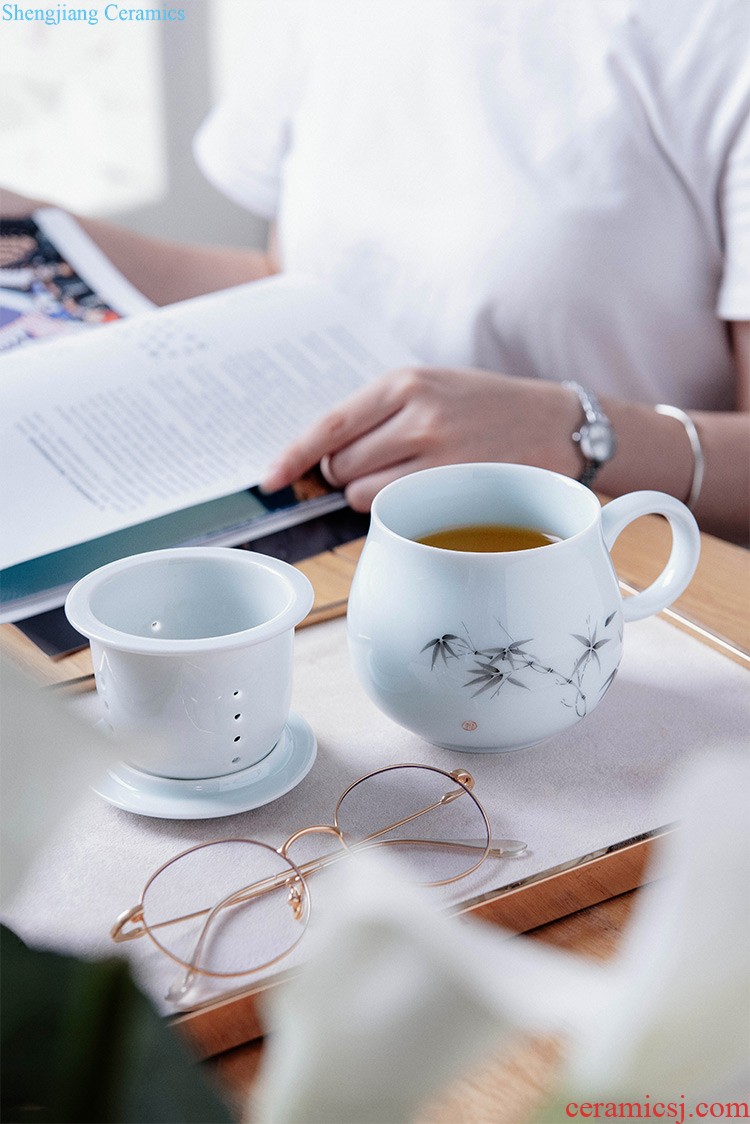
{"points": [[683, 558]]}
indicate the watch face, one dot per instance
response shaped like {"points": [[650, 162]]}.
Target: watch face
{"points": [[597, 441]]}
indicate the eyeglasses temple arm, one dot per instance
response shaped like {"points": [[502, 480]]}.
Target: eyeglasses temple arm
{"points": [[504, 848], [447, 798], [235, 898]]}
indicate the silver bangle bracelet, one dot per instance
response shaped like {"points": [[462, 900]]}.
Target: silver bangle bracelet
{"points": [[695, 445]]}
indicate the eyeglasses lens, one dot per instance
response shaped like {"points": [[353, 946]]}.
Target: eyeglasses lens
{"points": [[226, 908], [422, 818]]}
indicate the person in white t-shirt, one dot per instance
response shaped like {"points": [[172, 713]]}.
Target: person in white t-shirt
{"points": [[530, 195], [524, 193]]}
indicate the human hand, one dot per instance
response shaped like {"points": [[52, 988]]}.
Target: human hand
{"points": [[416, 418]]}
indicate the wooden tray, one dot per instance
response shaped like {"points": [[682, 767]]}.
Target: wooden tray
{"points": [[716, 609]]}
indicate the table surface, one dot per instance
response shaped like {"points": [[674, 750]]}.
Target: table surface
{"points": [[514, 1085], [511, 1087]]}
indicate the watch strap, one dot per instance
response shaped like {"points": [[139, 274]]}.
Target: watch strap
{"points": [[595, 437], [590, 470]]}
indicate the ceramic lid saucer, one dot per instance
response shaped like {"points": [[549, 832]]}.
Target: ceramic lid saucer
{"points": [[281, 770]]}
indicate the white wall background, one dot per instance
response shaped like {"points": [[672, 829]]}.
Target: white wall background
{"points": [[100, 118]]}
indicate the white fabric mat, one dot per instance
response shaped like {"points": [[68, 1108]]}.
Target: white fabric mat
{"points": [[603, 781]]}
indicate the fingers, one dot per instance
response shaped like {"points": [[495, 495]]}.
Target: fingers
{"points": [[396, 440], [358, 415], [361, 492]]}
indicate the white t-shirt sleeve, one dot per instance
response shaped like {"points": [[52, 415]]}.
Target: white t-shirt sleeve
{"points": [[734, 293], [695, 60], [242, 144]]}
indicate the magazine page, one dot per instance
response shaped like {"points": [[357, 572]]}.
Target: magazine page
{"points": [[55, 281], [90, 263], [172, 408]]}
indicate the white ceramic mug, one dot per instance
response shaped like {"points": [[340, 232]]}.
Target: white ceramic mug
{"points": [[192, 653], [498, 651]]}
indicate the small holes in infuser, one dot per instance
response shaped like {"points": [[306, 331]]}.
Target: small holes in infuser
{"points": [[237, 717], [235, 760], [156, 626], [238, 738], [236, 694]]}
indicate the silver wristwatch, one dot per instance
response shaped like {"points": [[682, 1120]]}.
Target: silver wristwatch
{"points": [[595, 437]]}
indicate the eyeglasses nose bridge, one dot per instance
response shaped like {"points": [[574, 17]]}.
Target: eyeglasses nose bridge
{"points": [[326, 829]]}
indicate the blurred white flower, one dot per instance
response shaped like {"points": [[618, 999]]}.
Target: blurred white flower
{"points": [[47, 761], [396, 1001]]}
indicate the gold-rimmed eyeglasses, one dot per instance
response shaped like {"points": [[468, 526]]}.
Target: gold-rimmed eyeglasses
{"points": [[235, 906]]}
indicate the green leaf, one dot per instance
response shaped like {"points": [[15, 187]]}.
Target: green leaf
{"points": [[81, 1044]]}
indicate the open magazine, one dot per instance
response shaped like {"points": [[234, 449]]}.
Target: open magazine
{"points": [[54, 281], [156, 430]]}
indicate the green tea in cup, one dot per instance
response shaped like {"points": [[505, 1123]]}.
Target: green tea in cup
{"points": [[488, 538]]}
